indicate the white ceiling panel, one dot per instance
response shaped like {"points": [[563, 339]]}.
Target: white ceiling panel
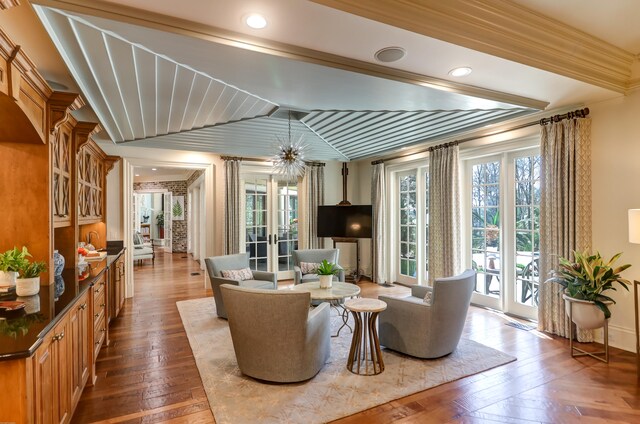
{"points": [[137, 93]]}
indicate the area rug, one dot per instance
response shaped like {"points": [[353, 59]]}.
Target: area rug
{"points": [[333, 393]]}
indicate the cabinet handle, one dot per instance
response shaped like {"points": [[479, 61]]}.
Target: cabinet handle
{"points": [[58, 337], [83, 306], [102, 305], [97, 315], [61, 336], [104, 330], [102, 283], [97, 343]]}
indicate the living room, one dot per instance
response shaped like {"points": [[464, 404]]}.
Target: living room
{"points": [[439, 116]]}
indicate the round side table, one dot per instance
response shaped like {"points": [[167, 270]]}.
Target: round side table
{"points": [[365, 357]]}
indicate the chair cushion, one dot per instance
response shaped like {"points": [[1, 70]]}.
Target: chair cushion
{"points": [[142, 250], [308, 267], [308, 278], [237, 274], [257, 284]]}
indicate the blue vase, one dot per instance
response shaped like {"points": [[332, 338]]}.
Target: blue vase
{"points": [[58, 263]]}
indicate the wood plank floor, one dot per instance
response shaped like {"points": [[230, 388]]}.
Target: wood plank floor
{"points": [[148, 373]]}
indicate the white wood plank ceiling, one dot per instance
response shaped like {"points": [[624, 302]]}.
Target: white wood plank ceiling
{"points": [[137, 93]]}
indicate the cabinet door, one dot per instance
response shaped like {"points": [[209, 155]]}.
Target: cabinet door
{"points": [[62, 176], [80, 323], [91, 181], [63, 367], [122, 287]]}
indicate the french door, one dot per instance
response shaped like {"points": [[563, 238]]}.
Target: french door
{"points": [[504, 233], [271, 223]]}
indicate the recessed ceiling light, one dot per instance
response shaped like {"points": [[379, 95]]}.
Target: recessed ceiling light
{"points": [[154, 169], [256, 21], [390, 54], [460, 72]]}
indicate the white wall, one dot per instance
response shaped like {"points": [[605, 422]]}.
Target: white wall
{"points": [[615, 136], [114, 203]]}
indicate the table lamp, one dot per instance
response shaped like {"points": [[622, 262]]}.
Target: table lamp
{"points": [[634, 237]]}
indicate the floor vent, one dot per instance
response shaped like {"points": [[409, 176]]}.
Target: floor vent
{"points": [[195, 273], [184, 257]]}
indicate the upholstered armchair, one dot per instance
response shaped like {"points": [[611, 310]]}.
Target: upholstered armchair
{"points": [[237, 271], [432, 328], [314, 256], [275, 335], [142, 250]]}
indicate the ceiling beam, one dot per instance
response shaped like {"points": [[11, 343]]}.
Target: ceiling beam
{"points": [[210, 33], [505, 29]]}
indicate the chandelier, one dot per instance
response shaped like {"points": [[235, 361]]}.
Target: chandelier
{"points": [[289, 159]]}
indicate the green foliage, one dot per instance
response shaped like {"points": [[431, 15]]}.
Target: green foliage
{"points": [[177, 209], [327, 268], [589, 276], [14, 260], [160, 219]]}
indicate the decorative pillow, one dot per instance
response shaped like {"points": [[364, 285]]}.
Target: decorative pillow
{"points": [[427, 297], [238, 274], [137, 239], [308, 267]]}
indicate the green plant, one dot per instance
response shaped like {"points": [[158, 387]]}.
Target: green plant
{"points": [[14, 260], [160, 219], [327, 268], [32, 270], [177, 209], [589, 276]]}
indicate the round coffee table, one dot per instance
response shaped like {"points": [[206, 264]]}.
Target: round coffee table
{"points": [[365, 346], [335, 296]]}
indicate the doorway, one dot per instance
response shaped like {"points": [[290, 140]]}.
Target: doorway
{"points": [[152, 218]]}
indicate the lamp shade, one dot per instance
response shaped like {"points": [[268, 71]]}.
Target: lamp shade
{"points": [[634, 226]]}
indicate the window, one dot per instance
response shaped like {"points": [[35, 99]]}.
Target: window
{"points": [[408, 224]]}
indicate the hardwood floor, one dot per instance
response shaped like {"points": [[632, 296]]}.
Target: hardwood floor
{"points": [[148, 373]]}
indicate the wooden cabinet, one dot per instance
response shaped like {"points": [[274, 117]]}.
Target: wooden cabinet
{"points": [[62, 169], [52, 375], [117, 287], [80, 323], [99, 316], [91, 183]]}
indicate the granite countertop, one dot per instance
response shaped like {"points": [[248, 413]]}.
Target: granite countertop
{"points": [[22, 331]]}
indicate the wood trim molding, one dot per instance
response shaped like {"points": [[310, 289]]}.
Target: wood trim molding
{"points": [[161, 22], [507, 30], [109, 163], [8, 4], [59, 109], [82, 133]]}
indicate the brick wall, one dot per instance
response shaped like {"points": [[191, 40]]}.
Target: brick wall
{"points": [[179, 228]]}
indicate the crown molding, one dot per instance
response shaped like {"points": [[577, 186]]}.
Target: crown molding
{"points": [[174, 25], [507, 30], [8, 4]]}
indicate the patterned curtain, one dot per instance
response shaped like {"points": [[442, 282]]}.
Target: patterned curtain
{"points": [[565, 212], [232, 205], [378, 240], [444, 212], [313, 182]]}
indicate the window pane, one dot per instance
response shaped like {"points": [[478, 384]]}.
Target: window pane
{"points": [[408, 208]]}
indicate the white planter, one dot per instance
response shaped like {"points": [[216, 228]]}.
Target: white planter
{"points": [[27, 286], [325, 281], [8, 278], [586, 315], [32, 303]]}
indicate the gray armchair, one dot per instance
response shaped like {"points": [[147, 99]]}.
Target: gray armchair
{"points": [[314, 256], [216, 264], [275, 335], [412, 326]]}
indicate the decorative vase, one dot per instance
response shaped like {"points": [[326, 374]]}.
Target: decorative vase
{"points": [[59, 287], [325, 281], [8, 278], [27, 286], [585, 314], [58, 263]]}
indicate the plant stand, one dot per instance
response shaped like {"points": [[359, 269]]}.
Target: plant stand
{"points": [[595, 355]]}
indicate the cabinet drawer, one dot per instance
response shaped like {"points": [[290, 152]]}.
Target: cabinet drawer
{"points": [[99, 335], [99, 307], [99, 289]]}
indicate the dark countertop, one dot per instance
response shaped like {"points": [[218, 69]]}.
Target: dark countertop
{"points": [[22, 331]]}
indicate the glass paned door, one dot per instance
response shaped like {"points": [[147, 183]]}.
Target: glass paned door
{"points": [[408, 226], [271, 224], [526, 194], [486, 227]]}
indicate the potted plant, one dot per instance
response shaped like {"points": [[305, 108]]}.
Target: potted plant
{"points": [[326, 271], [28, 281], [585, 280], [160, 222], [11, 262]]}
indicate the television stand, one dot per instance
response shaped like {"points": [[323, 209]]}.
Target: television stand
{"points": [[355, 277]]}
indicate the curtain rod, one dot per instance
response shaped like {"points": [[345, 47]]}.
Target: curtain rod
{"points": [[240, 158], [579, 113]]}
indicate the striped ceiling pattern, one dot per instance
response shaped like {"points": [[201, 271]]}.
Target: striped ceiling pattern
{"points": [[137, 93], [360, 134]]}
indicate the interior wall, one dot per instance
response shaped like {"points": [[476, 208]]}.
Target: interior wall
{"points": [[615, 137], [114, 203]]}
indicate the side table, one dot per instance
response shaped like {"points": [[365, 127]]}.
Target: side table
{"points": [[365, 346]]}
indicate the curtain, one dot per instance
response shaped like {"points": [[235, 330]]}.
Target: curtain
{"points": [[444, 212], [378, 240], [232, 206], [313, 183], [565, 213]]}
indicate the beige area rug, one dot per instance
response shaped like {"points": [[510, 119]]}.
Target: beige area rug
{"points": [[333, 393]]}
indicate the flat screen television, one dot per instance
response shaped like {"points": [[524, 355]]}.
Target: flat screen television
{"points": [[345, 221]]}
